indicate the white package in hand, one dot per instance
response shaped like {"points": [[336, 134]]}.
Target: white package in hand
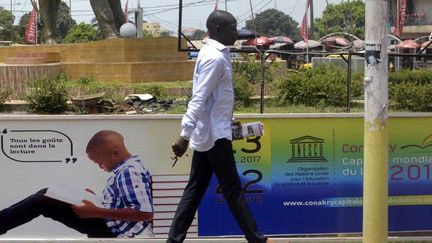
{"points": [[253, 129]]}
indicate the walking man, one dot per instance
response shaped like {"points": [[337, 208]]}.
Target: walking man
{"points": [[206, 127]]}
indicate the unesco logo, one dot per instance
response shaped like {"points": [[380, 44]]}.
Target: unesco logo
{"points": [[307, 149]]}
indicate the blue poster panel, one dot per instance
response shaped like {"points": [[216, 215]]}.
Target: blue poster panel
{"points": [[305, 176]]}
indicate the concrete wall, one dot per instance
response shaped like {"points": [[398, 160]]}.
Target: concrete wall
{"points": [[122, 60]]}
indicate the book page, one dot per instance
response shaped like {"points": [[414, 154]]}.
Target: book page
{"points": [[74, 196]]}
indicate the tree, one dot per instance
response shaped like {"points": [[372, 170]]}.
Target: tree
{"points": [[81, 33], [64, 21], [165, 34], [147, 34], [6, 20], [198, 35], [22, 25], [347, 16], [273, 22]]}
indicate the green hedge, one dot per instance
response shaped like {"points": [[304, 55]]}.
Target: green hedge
{"points": [[325, 85], [250, 69], [409, 90], [242, 91], [422, 76]]}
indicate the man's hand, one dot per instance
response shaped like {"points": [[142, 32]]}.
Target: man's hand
{"points": [[180, 146], [87, 210], [237, 131], [236, 122]]}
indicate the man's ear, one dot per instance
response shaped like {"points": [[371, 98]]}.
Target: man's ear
{"points": [[218, 28], [115, 151]]}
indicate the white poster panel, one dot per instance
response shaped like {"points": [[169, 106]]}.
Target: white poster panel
{"points": [[42, 151]]}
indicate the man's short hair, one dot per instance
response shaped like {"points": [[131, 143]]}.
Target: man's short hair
{"points": [[101, 139], [219, 17]]}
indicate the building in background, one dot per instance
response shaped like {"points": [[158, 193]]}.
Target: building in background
{"points": [[188, 31], [418, 17], [152, 28]]}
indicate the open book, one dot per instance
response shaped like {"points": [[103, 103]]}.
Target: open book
{"points": [[72, 195]]}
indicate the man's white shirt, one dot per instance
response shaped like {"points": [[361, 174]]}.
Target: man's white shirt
{"points": [[210, 111]]}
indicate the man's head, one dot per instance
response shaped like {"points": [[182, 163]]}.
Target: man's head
{"points": [[222, 26], [106, 148]]}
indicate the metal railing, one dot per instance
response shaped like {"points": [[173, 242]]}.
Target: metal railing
{"points": [[419, 18]]}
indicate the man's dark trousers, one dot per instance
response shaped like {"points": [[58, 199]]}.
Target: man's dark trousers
{"points": [[38, 204], [220, 160]]}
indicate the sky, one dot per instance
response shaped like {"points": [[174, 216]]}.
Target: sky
{"points": [[195, 12]]}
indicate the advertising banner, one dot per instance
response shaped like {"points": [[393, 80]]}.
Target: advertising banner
{"points": [[30, 35], [401, 15], [305, 176], [50, 151]]}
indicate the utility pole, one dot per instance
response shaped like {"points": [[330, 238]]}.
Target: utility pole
{"points": [[252, 17], [375, 182], [251, 8], [139, 20]]}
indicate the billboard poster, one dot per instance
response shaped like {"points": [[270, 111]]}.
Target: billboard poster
{"points": [[304, 176], [50, 151], [308, 174]]}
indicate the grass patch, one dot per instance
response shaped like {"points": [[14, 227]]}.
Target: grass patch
{"points": [[117, 91], [296, 109], [180, 92]]}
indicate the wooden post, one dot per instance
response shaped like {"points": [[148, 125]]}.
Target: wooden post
{"points": [[375, 185]]}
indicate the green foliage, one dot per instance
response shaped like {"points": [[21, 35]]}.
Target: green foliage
{"points": [[64, 20], [47, 96], [198, 35], [64, 24], [165, 34], [117, 91], [22, 26], [250, 68], [81, 33], [422, 76], [411, 90], [272, 22], [357, 85], [411, 96], [6, 20], [4, 94], [323, 86], [147, 34], [158, 91], [242, 91], [347, 16], [85, 80]]}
